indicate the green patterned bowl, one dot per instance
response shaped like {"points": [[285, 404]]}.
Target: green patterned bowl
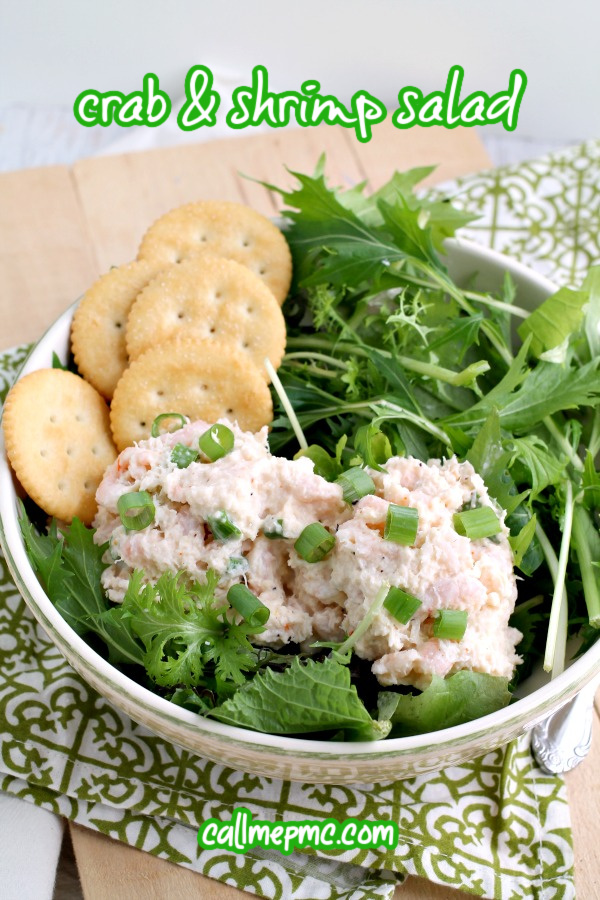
{"points": [[297, 759]]}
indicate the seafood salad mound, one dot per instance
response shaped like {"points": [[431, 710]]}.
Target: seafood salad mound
{"points": [[242, 515]]}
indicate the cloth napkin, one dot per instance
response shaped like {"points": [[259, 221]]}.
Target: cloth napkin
{"points": [[495, 827]]}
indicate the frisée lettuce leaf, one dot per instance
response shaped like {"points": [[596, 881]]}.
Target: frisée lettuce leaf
{"points": [[183, 628]]}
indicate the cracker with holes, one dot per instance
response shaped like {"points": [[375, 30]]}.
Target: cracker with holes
{"points": [[207, 380], [98, 330], [213, 299], [58, 440], [224, 229]]}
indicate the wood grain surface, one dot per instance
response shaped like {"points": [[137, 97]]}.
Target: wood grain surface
{"points": [[61, 227]]}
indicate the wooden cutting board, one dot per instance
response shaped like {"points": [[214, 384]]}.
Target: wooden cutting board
{"points": [[61, 227]]}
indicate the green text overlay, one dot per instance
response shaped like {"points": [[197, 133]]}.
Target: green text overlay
{"points": [[256, 104], [241, 833]]}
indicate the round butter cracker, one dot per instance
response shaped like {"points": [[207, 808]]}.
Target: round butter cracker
{"points": [[213, 299], [98, 330], [199, 379], [224, 229], [58, 440]]}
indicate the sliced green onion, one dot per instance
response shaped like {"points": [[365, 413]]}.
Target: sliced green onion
{"points": [[401, 524], [216, 442], [477, 523], [275, 531], [248, 605], [182, 456], [157, 428], [314, 543], [136, 510], [400, 605], [355, 483], [285, 402], [222, 527], [365, 623], [450, 624], [237, 565]]}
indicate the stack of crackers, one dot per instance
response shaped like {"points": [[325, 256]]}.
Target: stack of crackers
{"points": [[185, 328]]}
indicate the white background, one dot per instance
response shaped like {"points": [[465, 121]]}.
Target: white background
{"points": [[50, 51]]}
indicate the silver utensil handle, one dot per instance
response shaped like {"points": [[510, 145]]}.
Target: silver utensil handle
{"points": [[563, 740]]}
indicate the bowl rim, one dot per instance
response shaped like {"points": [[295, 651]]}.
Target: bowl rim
{"points": [[523, 713]]}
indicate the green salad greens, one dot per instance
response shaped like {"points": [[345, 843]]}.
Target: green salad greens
{"points": [[383, 347], [386, 356]]}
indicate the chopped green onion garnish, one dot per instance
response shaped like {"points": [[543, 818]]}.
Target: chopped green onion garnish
{"points": [[366, 621], [450, 624], [247, 605], [314, 543], [477, 523], [401, 524], [157, 425], [285, 402], [237, 565], [182, 456], [274, 531], [355, 483], [216, 442], [136, 510], [222, 527], [400, 605]]}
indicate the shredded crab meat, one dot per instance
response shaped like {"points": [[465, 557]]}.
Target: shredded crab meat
{"points": [[325, 600]]}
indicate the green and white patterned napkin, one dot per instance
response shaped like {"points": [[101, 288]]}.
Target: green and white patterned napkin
{"points": [[545, 212], [496, 827]]}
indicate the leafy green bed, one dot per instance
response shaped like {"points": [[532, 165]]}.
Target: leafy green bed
{"points": [[386, 356]]}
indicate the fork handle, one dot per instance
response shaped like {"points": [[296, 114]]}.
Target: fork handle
{"points": [[563, 740]]}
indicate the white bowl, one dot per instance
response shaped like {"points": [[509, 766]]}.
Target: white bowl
{"points": [[292, 758]]}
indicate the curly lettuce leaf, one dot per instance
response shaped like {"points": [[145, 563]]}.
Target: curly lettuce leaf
{"points": [[183, 628]]}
